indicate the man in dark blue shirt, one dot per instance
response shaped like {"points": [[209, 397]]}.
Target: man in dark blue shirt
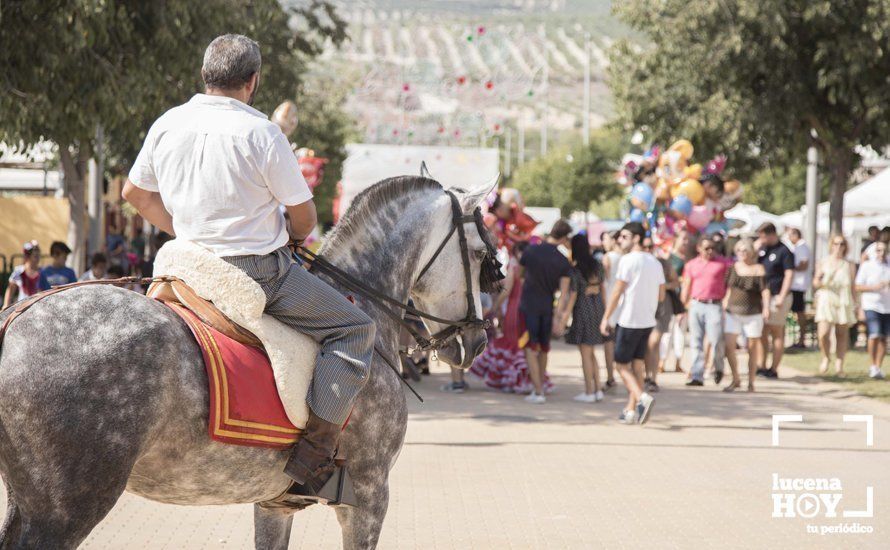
{"points": [[57, 274], [778, 262], [546, 270]]}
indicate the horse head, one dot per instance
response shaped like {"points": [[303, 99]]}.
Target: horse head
{"points": [[440, 284], [400, 238]]}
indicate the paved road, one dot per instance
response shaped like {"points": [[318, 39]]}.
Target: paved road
{"points": [[486, 470]]}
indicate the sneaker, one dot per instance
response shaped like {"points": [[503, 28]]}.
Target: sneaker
{"points": [[535, 398], [644, 407], [455, 387], [695, 382], [770, 373], [718, 377], [610, 385], [761, 372], [599, 395], [875, 373], [627, 417], [585, 398], [651, 387]]}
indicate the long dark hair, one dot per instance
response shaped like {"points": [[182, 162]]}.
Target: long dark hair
{"points": [[583, 259]]}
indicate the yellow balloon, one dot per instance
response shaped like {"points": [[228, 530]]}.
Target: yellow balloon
{"points": [[684, 146], [693, 171], [692, 189], [731, 186], [663, 190]]}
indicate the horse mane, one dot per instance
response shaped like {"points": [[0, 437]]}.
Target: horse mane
{"points": [[375, 199]]}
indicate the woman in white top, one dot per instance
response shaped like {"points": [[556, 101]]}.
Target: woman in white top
{"points": [[834, 301]]}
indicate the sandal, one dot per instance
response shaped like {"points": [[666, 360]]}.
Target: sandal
{"points": [[732, 387]]}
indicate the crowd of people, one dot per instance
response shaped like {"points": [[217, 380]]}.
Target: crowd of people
{"points": [[118, 258], [643, 305]]}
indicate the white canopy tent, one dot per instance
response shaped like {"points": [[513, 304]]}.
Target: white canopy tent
{"points": [[865, 205]]}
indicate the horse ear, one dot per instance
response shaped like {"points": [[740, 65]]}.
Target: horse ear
{"points": [[474, 197]]}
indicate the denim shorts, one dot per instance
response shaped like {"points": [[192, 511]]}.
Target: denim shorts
{"points": [[878, 324]]}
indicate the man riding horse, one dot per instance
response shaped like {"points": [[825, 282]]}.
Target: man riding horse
{"points": [[214, 171]]}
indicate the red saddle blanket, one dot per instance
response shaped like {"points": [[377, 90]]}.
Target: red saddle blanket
{"points": [[245, 408]]}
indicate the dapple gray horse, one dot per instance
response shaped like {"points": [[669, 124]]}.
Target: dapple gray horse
{"points": [[103, 390]]}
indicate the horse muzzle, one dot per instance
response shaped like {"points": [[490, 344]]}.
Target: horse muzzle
{"points": [[460, 352]]}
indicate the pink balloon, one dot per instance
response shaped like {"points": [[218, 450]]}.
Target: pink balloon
{"points": [[699, 217]]}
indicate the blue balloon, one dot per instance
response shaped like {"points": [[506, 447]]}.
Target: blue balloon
{"points": [[644, 196], [681, 204], [716, 227], [637, 215]]}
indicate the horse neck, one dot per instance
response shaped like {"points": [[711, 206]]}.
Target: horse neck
{"points": [[386, 253]]}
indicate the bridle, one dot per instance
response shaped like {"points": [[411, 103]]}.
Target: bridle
{"points": [[489, 279]]}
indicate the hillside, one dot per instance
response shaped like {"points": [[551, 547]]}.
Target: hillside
{"points": [[463, 72]]}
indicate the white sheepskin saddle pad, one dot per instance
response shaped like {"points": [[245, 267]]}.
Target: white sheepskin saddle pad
{"points": [[291, 353]]}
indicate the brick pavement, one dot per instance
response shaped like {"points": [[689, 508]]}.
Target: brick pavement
{"points": [[486, 470]]}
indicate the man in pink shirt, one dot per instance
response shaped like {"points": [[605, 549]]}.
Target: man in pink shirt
{"points": [[704, 285]]}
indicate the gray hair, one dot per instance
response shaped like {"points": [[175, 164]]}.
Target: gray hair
{"points": [[229, 62]]}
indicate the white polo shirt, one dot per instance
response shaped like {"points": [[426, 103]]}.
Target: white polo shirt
{"points": [[222, 169]]}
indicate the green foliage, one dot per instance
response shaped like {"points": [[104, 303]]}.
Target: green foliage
{"points": [[325, 128], [70, 65], [751, 78], [572, 177], [780, 190]]}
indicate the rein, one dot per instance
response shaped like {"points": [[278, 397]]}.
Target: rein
{"points": [[454, 327]]}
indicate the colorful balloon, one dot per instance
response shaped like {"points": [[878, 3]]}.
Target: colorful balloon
{"points": [[699, 217], [637, 215], [681, 205], [692, 189], [663, 191], [642, 196], [693, 171], [684, 147], [731, 187]]}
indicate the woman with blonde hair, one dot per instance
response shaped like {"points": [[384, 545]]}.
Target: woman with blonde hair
{"points": [[835, 301], [747, 307]]}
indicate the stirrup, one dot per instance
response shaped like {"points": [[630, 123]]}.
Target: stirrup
{"points": [[336, 490]]}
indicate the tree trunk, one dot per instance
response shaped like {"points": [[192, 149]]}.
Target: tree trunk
{"points": [[840, 161], [74, 164]]}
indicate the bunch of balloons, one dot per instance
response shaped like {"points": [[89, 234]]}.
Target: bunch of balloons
{"points": [[668, 192]]}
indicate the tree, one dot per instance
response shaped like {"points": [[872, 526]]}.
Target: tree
{"points": [[781, 189], [72, 65], [325, 128], [760, 80], [571, 177]]}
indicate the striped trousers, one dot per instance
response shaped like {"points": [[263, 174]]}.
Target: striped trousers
{"points": [[309, 305]]}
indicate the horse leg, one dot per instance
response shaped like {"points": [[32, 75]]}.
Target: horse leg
{"points": [[271, 528], [361, 524], [48, 525]]}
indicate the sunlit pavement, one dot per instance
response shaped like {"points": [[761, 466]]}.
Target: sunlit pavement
{"points": [[486, 470]]}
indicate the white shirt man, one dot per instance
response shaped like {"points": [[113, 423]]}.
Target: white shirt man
{"points": [[215, 171], [228, 203], [873, 284], [638, 286]]}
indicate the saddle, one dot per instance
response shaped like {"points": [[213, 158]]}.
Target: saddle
{"points": [[173, 290]]}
